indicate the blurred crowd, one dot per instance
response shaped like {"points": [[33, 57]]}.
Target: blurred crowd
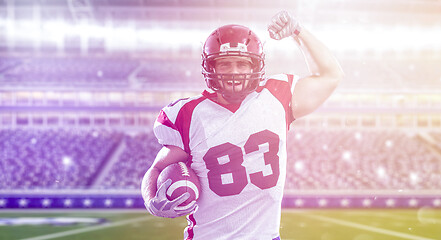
{"points": [[317, 159]]}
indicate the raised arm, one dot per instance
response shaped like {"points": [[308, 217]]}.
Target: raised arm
{"points": [[325, 72]]}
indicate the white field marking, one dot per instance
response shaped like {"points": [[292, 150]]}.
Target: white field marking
{"points": [[393, 216], [89, 229], [368, 228]]}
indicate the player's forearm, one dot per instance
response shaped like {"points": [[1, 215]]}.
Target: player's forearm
{"points": [[318, 57], [166, 156], [148, 186]]}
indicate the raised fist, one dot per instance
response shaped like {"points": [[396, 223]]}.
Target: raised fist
{"points": [[283, 25]]}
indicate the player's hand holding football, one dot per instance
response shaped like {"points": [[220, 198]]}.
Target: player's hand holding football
{"points": [[160, 206], [283, 25]]}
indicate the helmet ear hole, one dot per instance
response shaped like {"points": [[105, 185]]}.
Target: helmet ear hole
{"points": [[213, 84], [208, 64]]}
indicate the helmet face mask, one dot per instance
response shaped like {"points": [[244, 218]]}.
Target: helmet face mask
{"points": [[234, 87], [233, 41]]}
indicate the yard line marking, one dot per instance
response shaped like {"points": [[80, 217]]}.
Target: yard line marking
{"points": [[89, 229], [368, 228], [413, 218], [417, 217]]}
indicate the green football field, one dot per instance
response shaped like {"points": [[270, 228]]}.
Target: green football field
{"points": [[306, 224]]}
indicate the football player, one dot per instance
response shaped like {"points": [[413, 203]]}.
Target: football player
{"points": [[234, 134]]}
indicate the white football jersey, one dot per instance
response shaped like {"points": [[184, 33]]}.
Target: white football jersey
{"points": [[239, 155]]}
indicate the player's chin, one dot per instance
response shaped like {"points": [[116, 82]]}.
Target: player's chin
{"points": [[234, 87]]}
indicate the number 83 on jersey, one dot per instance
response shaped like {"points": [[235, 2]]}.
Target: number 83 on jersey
{"points": [[234, 167]]}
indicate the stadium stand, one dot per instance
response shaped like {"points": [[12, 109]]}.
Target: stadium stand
{"points": [[170, 71], [390, 73], [367, 74], [67, 72], [140, 151], [53, 159], [361, 160], [318, 160]]}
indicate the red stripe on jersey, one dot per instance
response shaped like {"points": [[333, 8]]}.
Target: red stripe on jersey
{"points": [[282, 91], [290, 118], [164, 120], [191, 224], [183, 121]]}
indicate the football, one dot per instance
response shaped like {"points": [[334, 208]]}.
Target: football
{"points": [[184, 179]]}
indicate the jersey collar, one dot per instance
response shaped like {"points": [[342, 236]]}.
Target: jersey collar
{"points": [[212, 96]]}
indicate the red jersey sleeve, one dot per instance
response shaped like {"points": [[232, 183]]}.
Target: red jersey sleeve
{"points": [[282, 87]]}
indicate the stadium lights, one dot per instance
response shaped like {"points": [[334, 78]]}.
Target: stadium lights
{"points": [[390, 202], [381, 38], [75, 201], [347, 155], [46, 202], [67, 161], [358, 136], [389, 143], [23, 202], [381, 172], [68, 202], [158, 37], [414, 178], [299, 166], [339, 37], [87, 202], [367, 202]]}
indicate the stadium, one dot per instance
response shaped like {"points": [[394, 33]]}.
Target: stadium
{"points": [[82, 82]]}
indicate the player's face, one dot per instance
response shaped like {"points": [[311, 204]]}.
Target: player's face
{"points": [[234, 65]]}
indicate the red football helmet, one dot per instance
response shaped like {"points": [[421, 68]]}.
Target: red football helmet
{"points": [[233, 40]]}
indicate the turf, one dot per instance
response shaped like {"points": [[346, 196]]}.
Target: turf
{"points": [[302, 224]]}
